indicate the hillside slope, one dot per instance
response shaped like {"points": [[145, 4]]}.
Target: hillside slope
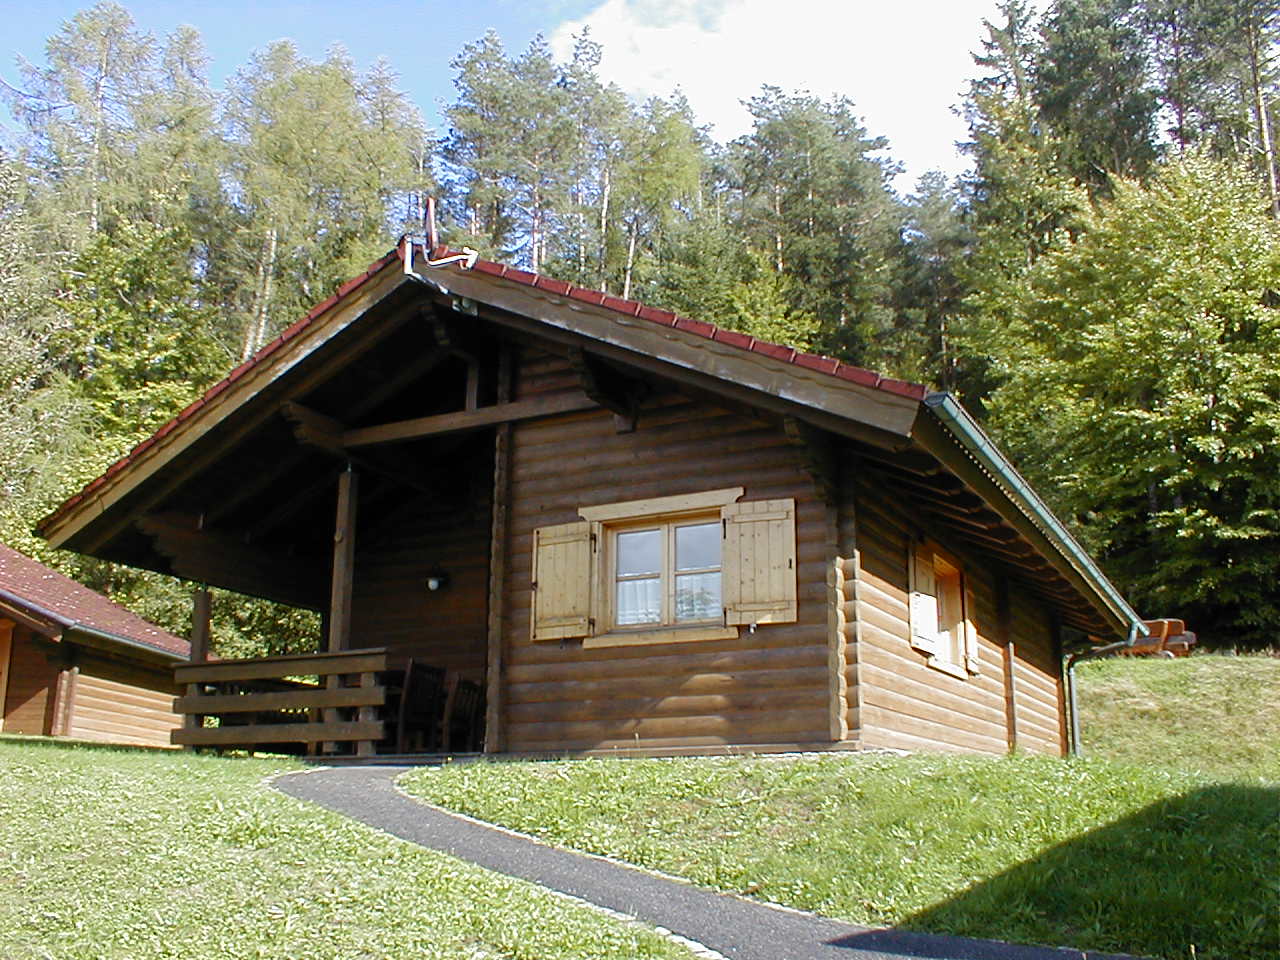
{"points": [[1207, 714]]}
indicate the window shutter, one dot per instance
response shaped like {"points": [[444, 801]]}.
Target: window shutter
{"points": [[924, 601], [971, 659], [562, 577], [759, 572]]}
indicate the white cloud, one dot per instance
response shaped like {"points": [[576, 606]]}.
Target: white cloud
{"points": [[903, 64]]}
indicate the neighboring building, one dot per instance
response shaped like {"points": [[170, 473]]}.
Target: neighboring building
{"points": [[638, 532], [74, 664]]}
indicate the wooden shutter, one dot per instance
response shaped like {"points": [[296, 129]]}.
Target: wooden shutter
{"points": [[971, 659], [759, 574], [924, 601], [562, 578]]}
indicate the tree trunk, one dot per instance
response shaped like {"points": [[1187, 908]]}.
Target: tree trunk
{"points": [[634, 230], [1253, 31], [606, 188], [256, 333], [777, 228]]}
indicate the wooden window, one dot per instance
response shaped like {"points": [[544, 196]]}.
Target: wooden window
{"points": [[666, 574], [691, 567], [941, 611]]}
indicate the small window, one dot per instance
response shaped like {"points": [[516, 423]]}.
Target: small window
{"points": [[941, 623], [667, 574], [688, 567]]}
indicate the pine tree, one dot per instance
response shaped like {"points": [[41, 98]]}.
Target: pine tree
{"points": [[817, 204], [1091, 85]]}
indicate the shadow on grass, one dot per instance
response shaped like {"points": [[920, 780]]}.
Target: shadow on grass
{"points": [[1201, 869]]}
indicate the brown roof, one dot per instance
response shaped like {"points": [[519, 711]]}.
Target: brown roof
{"points": [[629, 308], [49, 595]]}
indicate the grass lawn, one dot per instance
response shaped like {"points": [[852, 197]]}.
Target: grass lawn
{"points": [[138, 855], [1150, 858], [1216, 715]]}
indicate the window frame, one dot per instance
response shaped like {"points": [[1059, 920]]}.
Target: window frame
{"points": [[950, 649], [666, 514], [668, 572]]}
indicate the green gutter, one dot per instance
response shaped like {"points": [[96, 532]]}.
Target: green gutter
{"points": [[979, 446]]}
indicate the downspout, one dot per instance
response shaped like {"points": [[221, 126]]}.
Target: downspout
{"points": [[1092, 654]]}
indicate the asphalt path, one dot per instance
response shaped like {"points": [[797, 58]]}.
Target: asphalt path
{"points": [[731, 926]]}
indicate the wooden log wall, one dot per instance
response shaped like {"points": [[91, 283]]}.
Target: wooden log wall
{"points": [[120, 702], [392, 606], [1041, 715], [767, 687], [907, 704], [33, 678]]}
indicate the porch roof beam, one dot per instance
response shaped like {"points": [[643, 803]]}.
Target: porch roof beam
{"points": [[463, 420]]}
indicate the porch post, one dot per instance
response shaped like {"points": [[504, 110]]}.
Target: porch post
{"points": [[344, 556], [201, 607], [494, 735]]}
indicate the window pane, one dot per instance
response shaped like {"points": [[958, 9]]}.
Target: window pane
{"points": [[639, 552], [639, 601], [698, 596], [698, 546]]}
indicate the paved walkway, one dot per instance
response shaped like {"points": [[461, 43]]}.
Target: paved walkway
{"points": [[733, 927]]}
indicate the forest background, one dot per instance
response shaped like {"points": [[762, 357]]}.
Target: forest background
{"points": [[1103, 290]]}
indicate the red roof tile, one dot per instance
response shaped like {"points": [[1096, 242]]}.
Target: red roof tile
{"points": [[49, 595]]}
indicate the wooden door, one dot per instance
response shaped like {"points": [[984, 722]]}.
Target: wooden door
{"points": [[6, 647]]}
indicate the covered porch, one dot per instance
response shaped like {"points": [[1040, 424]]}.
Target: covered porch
{"points": [[355, 468]]}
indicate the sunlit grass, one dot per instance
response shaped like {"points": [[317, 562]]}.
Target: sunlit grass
{"points": [[140, 855], [1154, 857], [1211, 714]]}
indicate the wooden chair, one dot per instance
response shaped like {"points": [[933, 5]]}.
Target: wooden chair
{"points": [[464, 716], [422, 701]]}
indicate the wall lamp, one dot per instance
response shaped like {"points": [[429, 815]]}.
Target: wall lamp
{"points": [[437, 581]]}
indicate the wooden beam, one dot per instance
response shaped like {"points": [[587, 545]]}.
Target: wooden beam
{"points": [[313, 429], [249, 735], [1004, 637], [372, 659], [817, 457], [280, 700], [325, 435], [267, 476], [760, 395], [463, 420], [640, 343], [496, 633], [344, 559], [201, 608], [610, 388], [209, 557], [67, 702]]}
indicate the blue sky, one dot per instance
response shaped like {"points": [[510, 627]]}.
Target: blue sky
{"points": [[903, 64]]}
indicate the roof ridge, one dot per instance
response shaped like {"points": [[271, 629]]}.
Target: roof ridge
{"points": [[667, 318], [632, 308]]}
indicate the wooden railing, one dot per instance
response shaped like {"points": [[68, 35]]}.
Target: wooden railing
{"points": [[260, 702]]}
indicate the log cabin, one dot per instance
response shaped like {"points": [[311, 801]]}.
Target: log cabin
{"points": [[631, 532], [74, 664]]}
